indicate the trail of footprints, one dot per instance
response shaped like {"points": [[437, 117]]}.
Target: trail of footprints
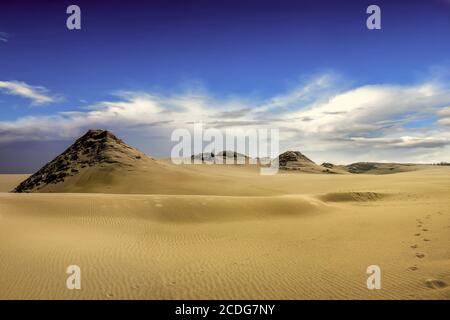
{"points": [[422, 233], [421, 225]]}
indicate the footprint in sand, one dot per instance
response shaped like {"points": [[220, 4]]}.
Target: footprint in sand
{"points": [[435, 284], [426, 239], [420, 255], [414, 246], [417, 234], [424, 229], [413, 268]]}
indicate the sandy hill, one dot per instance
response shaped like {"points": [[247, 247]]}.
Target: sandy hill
{"points": [[99, 162], [383, 168], [222, 157], [295, 160], [96, 148], [205, 157], [333, 168], [102, 163]]}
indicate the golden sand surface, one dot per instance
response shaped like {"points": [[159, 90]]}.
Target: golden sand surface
{"points": [[226, 232]]}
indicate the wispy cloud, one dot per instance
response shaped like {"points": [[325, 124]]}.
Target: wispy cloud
{"points": [[38, 95], [4, 37], [404, 142], [342, 124]]}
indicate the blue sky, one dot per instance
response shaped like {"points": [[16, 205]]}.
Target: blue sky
{"points": [[208, 57]]}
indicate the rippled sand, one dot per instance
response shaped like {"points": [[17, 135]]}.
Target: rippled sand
{"points": [[235, 235]]}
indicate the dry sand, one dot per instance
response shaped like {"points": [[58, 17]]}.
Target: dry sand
{"points": [[9, 181], [229, 233]]}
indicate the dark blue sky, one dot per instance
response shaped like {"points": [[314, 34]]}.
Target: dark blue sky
{"points": [[231, 47], [246, 48]]}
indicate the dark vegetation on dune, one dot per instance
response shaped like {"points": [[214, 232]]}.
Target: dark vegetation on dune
{"points": [[89, 150]]}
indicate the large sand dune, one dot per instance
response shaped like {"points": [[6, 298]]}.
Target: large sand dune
{"points": [[228, 232], [145, 228]]}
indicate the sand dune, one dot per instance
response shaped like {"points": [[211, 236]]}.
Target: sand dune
{"points": [[383, 168], [295, 160], [99, 162], [291, 236], [144, 228]]}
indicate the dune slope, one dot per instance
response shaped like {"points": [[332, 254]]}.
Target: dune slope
{"points": [[141, 228], [301, 237]]}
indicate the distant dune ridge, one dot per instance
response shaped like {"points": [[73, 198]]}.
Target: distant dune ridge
{"points": [[383, 168], [222, 157], [100, 162]]}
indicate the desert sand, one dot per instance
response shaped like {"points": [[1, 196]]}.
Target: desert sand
{"points": [[153, 230], [291, 236]]}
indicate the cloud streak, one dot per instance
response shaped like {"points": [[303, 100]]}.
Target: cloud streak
{"points": [[404, 142], [38, 95]]}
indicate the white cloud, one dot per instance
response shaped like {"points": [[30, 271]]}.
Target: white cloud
{"points": [[347, 125], [369, 109], [444, 116], [37, 95]]}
